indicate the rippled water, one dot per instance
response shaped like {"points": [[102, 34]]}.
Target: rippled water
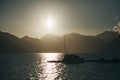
{"points": [[35, 67]]}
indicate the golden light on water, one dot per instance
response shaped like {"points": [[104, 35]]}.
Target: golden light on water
{"points": [[52, 56], [50, 71]]}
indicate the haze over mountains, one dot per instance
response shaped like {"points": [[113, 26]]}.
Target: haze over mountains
{"points": [[75, 43]]}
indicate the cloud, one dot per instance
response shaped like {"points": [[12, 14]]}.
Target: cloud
{"points": [[116, 28]]}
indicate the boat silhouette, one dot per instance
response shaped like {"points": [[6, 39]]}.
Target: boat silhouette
{"points": [[69, 58], [73, 59]]}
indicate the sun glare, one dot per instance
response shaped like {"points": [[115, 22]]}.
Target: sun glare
{"points": [[50, 23], [51, 56]]}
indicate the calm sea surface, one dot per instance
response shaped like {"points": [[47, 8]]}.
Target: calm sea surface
{"points": [[35, 67]]}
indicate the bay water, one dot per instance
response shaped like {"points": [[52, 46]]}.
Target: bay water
{"points": [[34, 66]]}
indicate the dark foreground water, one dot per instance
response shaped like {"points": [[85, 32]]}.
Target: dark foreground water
{"points": [[36, 67]]}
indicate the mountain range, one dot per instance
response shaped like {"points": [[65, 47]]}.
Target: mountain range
{"points": [[75, 43]]}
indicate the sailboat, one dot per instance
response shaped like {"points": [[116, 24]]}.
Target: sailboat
{"points": [[69, 58], [114, 56]]}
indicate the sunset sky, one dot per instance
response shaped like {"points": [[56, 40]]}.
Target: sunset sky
{"points": [[29, 17]]}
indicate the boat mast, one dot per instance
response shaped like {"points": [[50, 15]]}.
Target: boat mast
{"points": [[64, 44], [101, 55], [114, 54]]}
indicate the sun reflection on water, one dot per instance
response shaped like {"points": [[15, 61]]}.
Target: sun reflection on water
{"points": [[50, 71], [52, 56]]}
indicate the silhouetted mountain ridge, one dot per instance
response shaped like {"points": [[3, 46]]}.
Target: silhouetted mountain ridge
{"points": [[51, 43], [75, 43], [108, 35], [32, 44], [83, 44], [112, 46], [9, 43]]}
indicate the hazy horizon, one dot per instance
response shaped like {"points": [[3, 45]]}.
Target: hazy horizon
{"points": [[28, 17]]}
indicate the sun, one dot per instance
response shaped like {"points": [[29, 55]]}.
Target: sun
{"points": [[50, 23]]}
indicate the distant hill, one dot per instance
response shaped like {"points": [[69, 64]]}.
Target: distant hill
{"points": [[75, 43], [9, 43], [113, 46], [32, 44], [52, 43], [108, 35]]}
